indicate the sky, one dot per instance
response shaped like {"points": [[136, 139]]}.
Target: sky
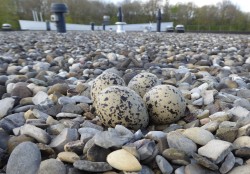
{"points": [[244, 5]]}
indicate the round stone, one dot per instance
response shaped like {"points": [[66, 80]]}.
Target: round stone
{"points": [[92, 166], [14, 141], [240, 142], [173, 154], [244, 169], [97, 154], [6, 104], [69, 157], [163, 164], [178, 141], [52, 166], [21, 91], [123, 160], [198, 135], [25, 158], [60, 88], [37, 133]]}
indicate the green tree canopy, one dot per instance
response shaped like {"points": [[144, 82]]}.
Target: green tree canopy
{"points": [[211, 17]]}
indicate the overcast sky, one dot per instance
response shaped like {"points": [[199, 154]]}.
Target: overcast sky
{"points": [[244, 5]]}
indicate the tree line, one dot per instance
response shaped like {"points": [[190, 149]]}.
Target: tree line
{"points": [[223, 16]]}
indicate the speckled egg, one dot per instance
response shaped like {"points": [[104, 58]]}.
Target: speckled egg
{"points": [[103, 81], [121, 105], [143, 82], [165, 104]]}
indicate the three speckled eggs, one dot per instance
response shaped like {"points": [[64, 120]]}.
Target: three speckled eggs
{"points": [[144, 100]]}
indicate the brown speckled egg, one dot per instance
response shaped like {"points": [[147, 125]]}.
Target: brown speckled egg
{"points": [[121, 105], [165, 104], [143, 82], [103, 81]]}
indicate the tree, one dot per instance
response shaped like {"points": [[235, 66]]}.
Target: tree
{"points": [[207, 16], [227, 12], [183, 13], [132, 11], [111, 10], [166, 11], [150, 9], [222, 16], [8, 13]]}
